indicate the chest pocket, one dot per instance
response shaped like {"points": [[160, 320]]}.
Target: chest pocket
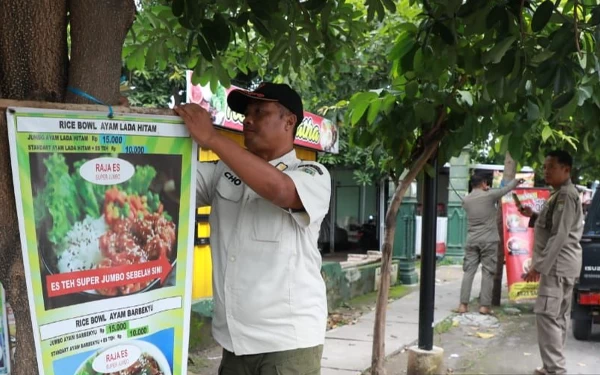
{"points": [[267, 223], [228, 190], [545, 218]]}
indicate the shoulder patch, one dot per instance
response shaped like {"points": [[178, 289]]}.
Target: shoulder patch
{"points": [[281, 166], [310, 169]]}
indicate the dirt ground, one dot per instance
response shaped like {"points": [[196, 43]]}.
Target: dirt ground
{"points": [[511, 348]]}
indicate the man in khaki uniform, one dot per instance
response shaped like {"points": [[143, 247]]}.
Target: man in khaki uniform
{"points": [[270, 311], [482, 240], [557, 259]]}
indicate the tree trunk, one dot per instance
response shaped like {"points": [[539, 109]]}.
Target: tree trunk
{"points": [[34, 66], [378, 355], [33, 49], [510, 171], [98, 30]]}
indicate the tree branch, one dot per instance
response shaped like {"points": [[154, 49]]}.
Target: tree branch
{"points": [[576, 4]]}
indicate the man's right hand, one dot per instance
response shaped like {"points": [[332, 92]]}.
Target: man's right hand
{"points": [[526, 211]]}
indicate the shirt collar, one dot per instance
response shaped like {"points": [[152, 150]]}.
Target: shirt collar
{"points": [[285, 160]]}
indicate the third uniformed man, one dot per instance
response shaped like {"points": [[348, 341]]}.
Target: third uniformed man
{"points": [[482, 240], [556, 260]]}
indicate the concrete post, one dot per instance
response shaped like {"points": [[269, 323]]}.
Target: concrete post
{"points": [[425, 362], [457, 217], [404, 239]]}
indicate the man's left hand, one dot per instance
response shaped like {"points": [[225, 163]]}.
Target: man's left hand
{"points": [[198, 122], [532, 276]]}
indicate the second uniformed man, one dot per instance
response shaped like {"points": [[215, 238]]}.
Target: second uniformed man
{"points": [[556, 260]]}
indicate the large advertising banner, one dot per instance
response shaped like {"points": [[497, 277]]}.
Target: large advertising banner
{"points": [[528, 177], [315, 132], [106, 209], [518, 241], [4, 336]]}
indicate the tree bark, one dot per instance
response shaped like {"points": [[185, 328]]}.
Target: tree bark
{"points": [[378, 355], [98, 30], [510, 171], [33, 49], [34, 66]]}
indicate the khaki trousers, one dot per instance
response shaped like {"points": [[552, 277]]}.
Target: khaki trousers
{"points": [[476, 253], [291, 362], [553, 312]]}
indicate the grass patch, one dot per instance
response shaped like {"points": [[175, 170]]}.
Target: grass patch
{"points": [[396, 292], [443, 326], [447, 262]]}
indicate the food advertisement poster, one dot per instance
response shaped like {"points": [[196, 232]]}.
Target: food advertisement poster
{"points": [[106, 210], [315, 132], [518, 241], [4, 336], [528, 177]]}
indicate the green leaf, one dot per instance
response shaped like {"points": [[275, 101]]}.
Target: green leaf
{"points": [[533, 111], [499, 50], [563, 99], [542, 16], [205, 48], [359, 104], [445, 33], [583, 94], [390, 5], [404, 43], [314, 5], [494, 16], [504, 144], [178, 7], [466, 97], [424, 111], [373, 110], [260, 26], [277, 52], [595, 19], [412, 89], [545, 73], [221, 72], [586, 142], [546, 133]]}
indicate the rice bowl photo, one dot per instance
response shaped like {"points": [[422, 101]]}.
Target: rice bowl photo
{"points": [[85, 227], [141, 358]]}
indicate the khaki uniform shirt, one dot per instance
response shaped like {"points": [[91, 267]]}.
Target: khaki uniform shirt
{"points": [[480, 206], [268, 291], [558, 230]]}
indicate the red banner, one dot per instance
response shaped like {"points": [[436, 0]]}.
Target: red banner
{"points": [[315, 132], [105, 278], [518, 241]]}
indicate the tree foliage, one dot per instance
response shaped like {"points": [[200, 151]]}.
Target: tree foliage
{"points": [[527, 72]]}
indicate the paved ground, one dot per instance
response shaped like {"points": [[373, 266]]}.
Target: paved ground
{"points": [[348, 348], [512, 349]]}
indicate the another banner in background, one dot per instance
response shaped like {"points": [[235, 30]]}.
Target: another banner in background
{"points": [[315, 132], [106, 210], [529, 178], [518, 241], [4, 335]]}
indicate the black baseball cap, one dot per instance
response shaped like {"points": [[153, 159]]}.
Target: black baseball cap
{"points": [[270, 92]]}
